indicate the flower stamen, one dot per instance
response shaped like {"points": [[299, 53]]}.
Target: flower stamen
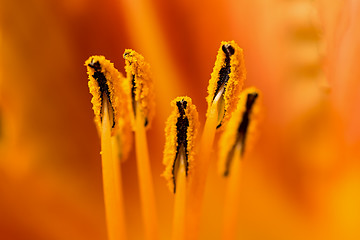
{"points": [[233, 144], [105, 85], [226, 81], [181, 131], [102, 78], [240, 130], [140, 84]]}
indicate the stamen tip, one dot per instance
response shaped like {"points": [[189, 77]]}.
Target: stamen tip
{"points": [[105, 84], [240, 131], [180, 132], [226, 81], [140, 84]]}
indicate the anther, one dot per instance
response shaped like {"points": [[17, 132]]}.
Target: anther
{"points": [[106, 84], [237, 131], [140, 85], [180, 131], [226, 81]]}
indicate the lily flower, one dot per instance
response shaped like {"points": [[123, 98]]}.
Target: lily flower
{"points": [[300, 178]]}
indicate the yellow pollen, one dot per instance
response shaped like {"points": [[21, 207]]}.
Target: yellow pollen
{"points": [[141, 107], [240, 130], [181, 128], [102, 72], [226, 81], [140, 85]]}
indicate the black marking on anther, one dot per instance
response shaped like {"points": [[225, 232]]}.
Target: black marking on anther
{"points": [[103, 84], [126, 54], [182, 125], [226, 70], [224, 73], [133, 94], [133, 90], [241, 132]]}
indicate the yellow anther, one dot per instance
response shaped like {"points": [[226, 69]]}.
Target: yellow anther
{"points": [[241, 129], [226, 81], [106, 83], [180, 133], [140, 85]]}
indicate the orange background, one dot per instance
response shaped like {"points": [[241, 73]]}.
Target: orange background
{"points": [[302, 179]]}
